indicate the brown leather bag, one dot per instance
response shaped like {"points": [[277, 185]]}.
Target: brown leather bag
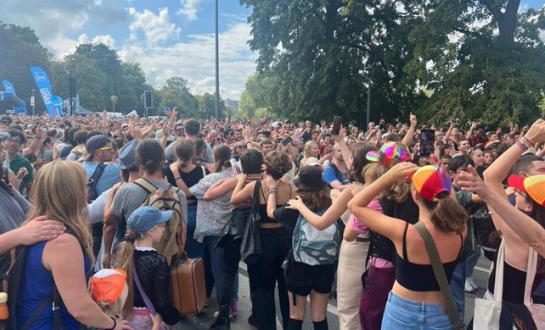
{"points": [[188, 287]]}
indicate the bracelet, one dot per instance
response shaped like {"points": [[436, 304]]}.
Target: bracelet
{"points": [[528, 143], [272, 191], [525, 142], [178, 178], [521, 146], [115, 324]]}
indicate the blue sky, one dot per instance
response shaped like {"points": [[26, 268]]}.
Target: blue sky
{"points": [[167, 37]]}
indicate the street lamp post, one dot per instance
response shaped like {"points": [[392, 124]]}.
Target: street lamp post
{"points": [[33, 101], [217, 99]]}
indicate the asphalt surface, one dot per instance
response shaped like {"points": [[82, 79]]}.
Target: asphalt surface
{"points": [[202, 321]]}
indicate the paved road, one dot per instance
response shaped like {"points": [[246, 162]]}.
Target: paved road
{"points": [[240, 323]]}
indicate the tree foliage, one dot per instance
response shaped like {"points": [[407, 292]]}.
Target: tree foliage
{"points": [[444, 59], [21, 49]]}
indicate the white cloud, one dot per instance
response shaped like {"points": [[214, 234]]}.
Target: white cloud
{"points": [[156, 28], [194, 61], [189, 9], [64, 46]]}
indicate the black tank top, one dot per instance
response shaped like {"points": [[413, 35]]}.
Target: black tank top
{"points": [[263, 209], [417, 277]]}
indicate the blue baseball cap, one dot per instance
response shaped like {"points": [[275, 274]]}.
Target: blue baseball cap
{"points": [[4, 136], [127, 156], [145, 218]]}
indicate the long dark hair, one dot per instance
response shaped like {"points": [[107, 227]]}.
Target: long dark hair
{"points": [[222, 155], [359, 160]]}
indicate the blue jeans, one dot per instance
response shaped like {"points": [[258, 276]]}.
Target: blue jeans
{"points": [[457, 288], [216, 258], [401, 313], [193, 248], [471, 262]]}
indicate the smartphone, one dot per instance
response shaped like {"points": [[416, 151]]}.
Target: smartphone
{"points": [[427, 141], [337, 121], [287, 141]]}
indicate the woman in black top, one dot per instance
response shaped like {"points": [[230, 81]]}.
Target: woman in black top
{"points": [[416, 300], [312, 278], [276, 242]]}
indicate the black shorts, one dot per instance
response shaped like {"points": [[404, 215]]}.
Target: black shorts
{"points": [[305, 290]]}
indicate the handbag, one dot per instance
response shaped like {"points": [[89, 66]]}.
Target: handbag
{"points": [[147, 301], [440, 276], [499, 315], [234, 228], [251, 249]]}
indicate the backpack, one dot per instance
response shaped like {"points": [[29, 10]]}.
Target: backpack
{"points": [[166, 199], [485, 232], [315, 247], [92, 192]]}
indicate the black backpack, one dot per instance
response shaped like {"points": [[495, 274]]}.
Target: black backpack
{"points": [[485, 232], [92, 193], [12, 267]]}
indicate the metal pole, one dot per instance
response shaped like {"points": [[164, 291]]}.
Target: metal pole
{"points": [[368, 104], [33, 102], [217, 101]]}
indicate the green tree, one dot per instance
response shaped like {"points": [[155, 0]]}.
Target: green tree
{"points": [[207, 107], [175, 93], [474, 71], [21, 49]]}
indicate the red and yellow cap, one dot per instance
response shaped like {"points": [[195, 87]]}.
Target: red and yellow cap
{"points": [[533, 185], [430, 181]]}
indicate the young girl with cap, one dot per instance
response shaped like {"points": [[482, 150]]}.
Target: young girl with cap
{"points": [[304, 276], [415, 299], [147, 271]]}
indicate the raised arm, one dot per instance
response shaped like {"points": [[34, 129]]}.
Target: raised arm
{"points": [[530, 231], [409, 136]]}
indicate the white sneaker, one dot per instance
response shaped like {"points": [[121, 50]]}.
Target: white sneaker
{"points": [[472, 283], [468, 287]]}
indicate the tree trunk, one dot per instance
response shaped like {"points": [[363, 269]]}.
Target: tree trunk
{"points": [[506, 21]]}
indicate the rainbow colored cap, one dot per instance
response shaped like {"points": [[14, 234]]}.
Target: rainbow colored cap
{"points": [[533, 185], [389, 154], [430, 181]]}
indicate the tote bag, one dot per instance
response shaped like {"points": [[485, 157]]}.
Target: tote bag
{"points": [[499, 315]]}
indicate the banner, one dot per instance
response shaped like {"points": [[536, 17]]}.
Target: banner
{"points": [[57, 104], [8, 86], [44, 86]]}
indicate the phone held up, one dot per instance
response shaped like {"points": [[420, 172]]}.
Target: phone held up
{"points": [[427, 141], [337, 121]]}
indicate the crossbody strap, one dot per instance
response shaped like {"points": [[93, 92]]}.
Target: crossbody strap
{"points": [[440, 275], [147, 301]]}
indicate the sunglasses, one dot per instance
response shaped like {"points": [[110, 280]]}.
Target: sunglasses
{"points": [[241, 147], [108, 148]]}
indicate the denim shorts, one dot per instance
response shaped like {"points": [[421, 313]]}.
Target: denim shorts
{"points": [[405, 314]]}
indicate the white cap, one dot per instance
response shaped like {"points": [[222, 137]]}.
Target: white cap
{"points": [[312, 161], [3, 297]]}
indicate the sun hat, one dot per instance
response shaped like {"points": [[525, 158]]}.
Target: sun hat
{"points": [[533, 185], [430, 181], [127, 156], [310, 179], [390, 154], [145, 218]]}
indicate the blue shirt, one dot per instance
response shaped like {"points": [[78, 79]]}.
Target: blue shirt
{"points": [[110, 176], [330, 176], [36, 286]]}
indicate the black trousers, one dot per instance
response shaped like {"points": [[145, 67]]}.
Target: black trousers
{"points": [[229, 269], [265, 274]]}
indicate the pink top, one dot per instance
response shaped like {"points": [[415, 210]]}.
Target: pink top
{"points": [[362, 229]]}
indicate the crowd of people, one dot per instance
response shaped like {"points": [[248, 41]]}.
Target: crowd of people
{"points": [[337, 208]]}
